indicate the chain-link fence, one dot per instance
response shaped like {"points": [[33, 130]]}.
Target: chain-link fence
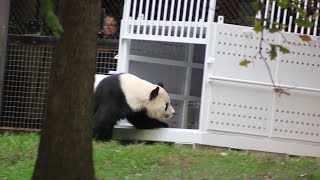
{"points": [[235, 12]]}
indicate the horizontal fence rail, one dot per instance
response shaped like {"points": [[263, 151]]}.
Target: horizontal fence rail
{"points": [[263, 84]]}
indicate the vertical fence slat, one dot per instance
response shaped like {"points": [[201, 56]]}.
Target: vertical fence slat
{"points": [[191, 11], [133, 16], [309, 29], [184, 17], [266, 13], [165, 17], [258, 14], [171, 16], [139, 17], [297, 16], [211, 9], [316, 21], [152, 16], [273, 9], [284, 19], [158, 16], [304, 8], [196, 20], [146, 17], [203, 16], [290, 24], [278, 16], [177, 19], [126, 14]]}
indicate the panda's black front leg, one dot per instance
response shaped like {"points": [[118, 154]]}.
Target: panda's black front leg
{"points": [[144, 122]]}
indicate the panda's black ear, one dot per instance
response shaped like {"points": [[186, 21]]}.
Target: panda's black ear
{"points": [[160, 84], [154, 93]]}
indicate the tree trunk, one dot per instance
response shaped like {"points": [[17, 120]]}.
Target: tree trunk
{"points": [[65, 149]]}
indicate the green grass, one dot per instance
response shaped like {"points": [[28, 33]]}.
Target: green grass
{"points": [[162, 161]]}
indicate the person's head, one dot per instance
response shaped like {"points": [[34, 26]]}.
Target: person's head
{"points": [[110, 26]]}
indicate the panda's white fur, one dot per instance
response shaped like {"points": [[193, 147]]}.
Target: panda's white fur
{"points": [[126, 96], [137, 93]]}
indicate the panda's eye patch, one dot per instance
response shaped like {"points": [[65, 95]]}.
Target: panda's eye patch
{"points": [[167, 105]]}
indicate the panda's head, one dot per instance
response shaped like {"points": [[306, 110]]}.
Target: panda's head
{"points": [[143, 95], [159, 106]]}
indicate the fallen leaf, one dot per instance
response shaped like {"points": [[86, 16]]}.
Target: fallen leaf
{"points": [[305, 37], [244, 62]]}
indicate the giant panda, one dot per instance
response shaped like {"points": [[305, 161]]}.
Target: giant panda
{"points": [[143, 104]]}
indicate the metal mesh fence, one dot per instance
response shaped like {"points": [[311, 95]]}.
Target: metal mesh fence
{"points": [[27, 73], [25, 83]]}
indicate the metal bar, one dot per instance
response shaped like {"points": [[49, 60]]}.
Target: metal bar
{"points": [[305, 9], [177, 19], [133, 15], [126, 15], [278, 16], [316, 21], [184, 17], [284, 19], [146, 17], [266, 13], [309, 29], [203, 16], [158, 17], [196, 19], [171, 17], [152, 17], [262, 83], [212, 9], [187, 85], [139, 18], [191, 10], [165, 17], [290, 23], [4, 19], [297, 16], [273, 9]]}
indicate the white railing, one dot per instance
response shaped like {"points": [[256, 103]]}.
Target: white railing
{"points": [[275, 15], [179, 20]]}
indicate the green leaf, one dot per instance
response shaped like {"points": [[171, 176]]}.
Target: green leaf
{"points": [[51, 18], [250, 18], [244, 63], [255, 6], [283, 49], [274, 28], [258, 26], [283, 3], [315, 15], [303, 23], [273, 52], [301, 11]]}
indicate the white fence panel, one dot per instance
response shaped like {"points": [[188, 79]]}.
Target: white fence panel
{"points": [[236, 43], [302, 65]]}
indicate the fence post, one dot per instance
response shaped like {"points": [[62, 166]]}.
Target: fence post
{"points": [[4, 18]]}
